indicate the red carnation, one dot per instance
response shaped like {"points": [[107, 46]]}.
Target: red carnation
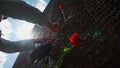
{"points": [[25, 59], [60, 5], [47, 39], [75, 39]]}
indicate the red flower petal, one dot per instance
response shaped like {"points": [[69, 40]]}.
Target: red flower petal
{"points": [[71, 39], [25, 59], [60, 5]]}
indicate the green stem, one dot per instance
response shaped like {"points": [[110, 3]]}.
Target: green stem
{"points": [[60, 60]]}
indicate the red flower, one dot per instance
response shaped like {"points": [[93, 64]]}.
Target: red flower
{"points": [[75, 39], [60, 5], [25, 59], [47, 39]]}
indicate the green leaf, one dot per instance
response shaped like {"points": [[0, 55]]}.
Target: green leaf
{"points": [[66, 50]]}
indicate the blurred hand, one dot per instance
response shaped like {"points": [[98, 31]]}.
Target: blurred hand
{"points": [[41, 40], [53, 27]]}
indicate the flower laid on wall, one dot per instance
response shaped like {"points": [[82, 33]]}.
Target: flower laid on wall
{"points": [[75, 39], [60, 5], [25, 59]]}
